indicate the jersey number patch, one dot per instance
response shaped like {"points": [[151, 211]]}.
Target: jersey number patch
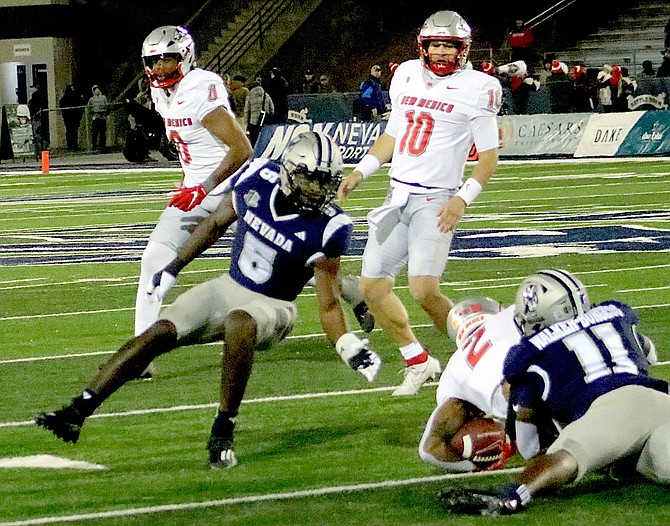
{"points": [[417, 133], [591, 357], [256, 259]]}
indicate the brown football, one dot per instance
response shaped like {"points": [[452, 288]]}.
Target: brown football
{"points": [[480, 440]]}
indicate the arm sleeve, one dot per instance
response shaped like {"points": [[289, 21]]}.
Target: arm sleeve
{"points": [[337, 235]]}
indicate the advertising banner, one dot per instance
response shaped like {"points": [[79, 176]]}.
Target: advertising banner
{"points": [[542, 134], [649, 136], [353, 138], [605, 133]]}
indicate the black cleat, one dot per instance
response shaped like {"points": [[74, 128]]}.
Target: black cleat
{"points": [[65, 423], [364, 317], [221, 454], [148, 374], [468, 502]]}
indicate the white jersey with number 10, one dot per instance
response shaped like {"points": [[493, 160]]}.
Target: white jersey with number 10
{"points": [[435, 121]]}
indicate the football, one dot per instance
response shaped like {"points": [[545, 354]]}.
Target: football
{"points": [[480, 440]]}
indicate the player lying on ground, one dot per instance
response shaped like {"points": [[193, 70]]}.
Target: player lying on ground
{"points": [[588, 369], [466, 431], [288, 230]]}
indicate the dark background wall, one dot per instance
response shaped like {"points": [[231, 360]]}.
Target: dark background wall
{"points": [[343, 37]]}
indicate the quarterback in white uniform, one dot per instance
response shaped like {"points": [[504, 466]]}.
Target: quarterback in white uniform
{"points": [[439, 110], [472, 381], [212, 146]]}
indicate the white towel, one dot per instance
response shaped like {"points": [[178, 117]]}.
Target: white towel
{"points": [[384, 218]]}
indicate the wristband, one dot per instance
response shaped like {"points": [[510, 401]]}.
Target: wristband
{"points": [[174, 267], [367, 165], [469, 190]]}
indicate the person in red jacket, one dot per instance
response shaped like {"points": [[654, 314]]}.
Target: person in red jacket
{"points": [[522, 42]]}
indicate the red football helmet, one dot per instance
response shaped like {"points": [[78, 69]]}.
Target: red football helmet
{"points": [[445, 26]]}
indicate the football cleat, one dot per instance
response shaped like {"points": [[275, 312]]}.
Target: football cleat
{"points": [[65, 423], [366, 362], [221, 454], [364, 317], [468, 502], [148, 374], [417, 375]]}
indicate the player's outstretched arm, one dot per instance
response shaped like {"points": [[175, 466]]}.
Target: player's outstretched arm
{"points": [[353, 351], [204, 236]]}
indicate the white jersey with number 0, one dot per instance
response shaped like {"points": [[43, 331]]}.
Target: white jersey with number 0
{"points": [[435, 121], [474, 371], [197, 94]]}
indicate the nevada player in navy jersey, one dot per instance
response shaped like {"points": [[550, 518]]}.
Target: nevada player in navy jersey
{"points": [[288, 230], [588, 369]]}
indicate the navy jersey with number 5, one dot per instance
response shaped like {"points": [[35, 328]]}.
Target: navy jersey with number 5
{"points": [[571, 363], [273, 253]]}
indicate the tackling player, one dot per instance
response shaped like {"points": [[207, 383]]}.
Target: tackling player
{"points": [[588, 368], [439, 110], [288, 230]]}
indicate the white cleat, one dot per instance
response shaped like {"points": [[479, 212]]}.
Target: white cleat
{"points": [[417, 375]]}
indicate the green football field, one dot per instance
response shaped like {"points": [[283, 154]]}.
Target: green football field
{"points": [[316, 444]]}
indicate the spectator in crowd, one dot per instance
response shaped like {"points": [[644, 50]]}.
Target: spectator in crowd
{"points": [[664, 68], [277, 88], [582, 91], [142, 101], [258, 110], [238, 97], [38, 104], [519, 83], [98, 109], [605, 89], [545, 72], [72, 105], [309, 83], [521, 40], [324, 84], [393, 66], [560, 88], [370, 103], [647, 70], [625, 87]]}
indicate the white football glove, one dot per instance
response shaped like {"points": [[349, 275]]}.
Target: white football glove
{"points": [[160, 284], [357, 354]]}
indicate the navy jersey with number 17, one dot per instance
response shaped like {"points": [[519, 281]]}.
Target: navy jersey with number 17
{"points": [[273, 252], [571, 363]]}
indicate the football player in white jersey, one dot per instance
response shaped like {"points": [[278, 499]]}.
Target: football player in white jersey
{"points": [[439, 109], [472, 382], [212, 146]]}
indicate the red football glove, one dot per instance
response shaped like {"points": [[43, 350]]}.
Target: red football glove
{"points": [[508, 450], [187, 198]]}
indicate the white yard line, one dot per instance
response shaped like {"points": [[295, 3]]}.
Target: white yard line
{"points": [[250, 499]]}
